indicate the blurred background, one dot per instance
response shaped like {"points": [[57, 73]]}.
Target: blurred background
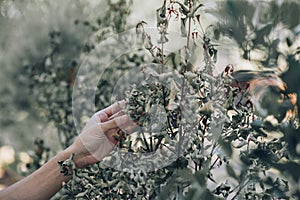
{"points": [[42, 42], [29, 31]]}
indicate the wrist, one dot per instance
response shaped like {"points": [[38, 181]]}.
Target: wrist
{"points": [[64, 155], [80, 155]]}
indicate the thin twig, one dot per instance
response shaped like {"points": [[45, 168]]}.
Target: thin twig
{"points": [[145, 141]]}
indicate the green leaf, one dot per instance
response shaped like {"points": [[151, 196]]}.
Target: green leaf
{"points": [[258, 125], [286, 14], [265, 155], [262, 33], [201, 177], [230, 171], [241, 144], [183, 27], [226, 146], [185, 9], [291, 167], [245, 158], [223, 189], [192, 13]]}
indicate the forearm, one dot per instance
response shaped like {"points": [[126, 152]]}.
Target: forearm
{"points": [[42, 184], [92, 145]]}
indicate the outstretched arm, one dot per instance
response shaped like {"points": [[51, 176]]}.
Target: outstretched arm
{"points": [[91, 146], [42, 184]]}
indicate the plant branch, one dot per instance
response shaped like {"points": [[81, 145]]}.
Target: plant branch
{"points": [[214, 163], [189, 33], [145, 141]]}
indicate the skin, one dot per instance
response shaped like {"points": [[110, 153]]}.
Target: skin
{"points": [[47, 180]]}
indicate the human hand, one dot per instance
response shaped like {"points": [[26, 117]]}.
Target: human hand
{"points": [[97, 137]]}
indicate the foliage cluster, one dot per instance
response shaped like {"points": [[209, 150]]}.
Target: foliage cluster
{"points": [[201, 135]]}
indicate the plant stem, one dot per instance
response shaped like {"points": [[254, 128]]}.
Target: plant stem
{"points": [[181, 107], [214, 163], [145, 141], [151, 142], [162, 56], [240, 189], [183, 83], [158, 143], [189, 33]]}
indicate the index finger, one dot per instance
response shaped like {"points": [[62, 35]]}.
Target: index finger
{"points": [[118, 122], [114, 108]]}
